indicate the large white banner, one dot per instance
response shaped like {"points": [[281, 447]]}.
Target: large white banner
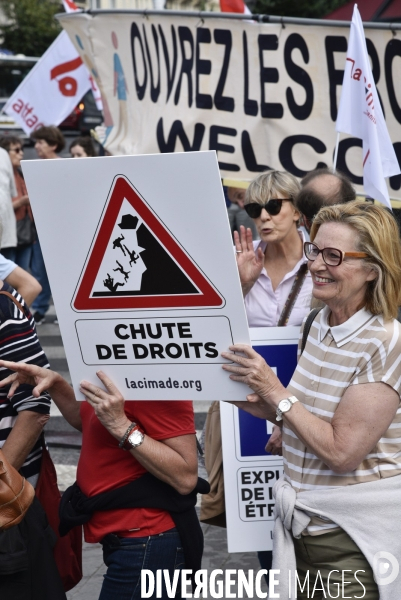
{"points": [[143, 274], [262, 95]]}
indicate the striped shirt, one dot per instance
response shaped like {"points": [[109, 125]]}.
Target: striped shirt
{"points": [[364, 349], [19, 343]]}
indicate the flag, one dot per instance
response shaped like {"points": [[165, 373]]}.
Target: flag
{"points": [[234, 6], [360, 114], [69, 7], [52, 89]]}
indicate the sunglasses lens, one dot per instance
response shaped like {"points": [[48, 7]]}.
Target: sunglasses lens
{"points": [[273, 207], [254, 210]]}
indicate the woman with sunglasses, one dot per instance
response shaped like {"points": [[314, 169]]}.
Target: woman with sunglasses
{"points": [[275, 282], [339, 500]]}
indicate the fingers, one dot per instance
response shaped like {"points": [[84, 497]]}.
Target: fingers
{"points": [[249, 352], [253, 398], [19, 367], [10, 379], [91, 391], [237, 242], [108, 384], [260, 256], [249, 238], [13, 388]]}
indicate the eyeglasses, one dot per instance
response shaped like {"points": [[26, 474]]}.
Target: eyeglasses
{"points": [[331, 256], [17, 150], [273, 207]]}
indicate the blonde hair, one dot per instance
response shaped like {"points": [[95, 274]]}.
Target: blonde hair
{"points": [[379, 237], [270, 184]]}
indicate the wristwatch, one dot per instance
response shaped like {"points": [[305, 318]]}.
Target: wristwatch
{"points": [[134, 440], [284, 406]]}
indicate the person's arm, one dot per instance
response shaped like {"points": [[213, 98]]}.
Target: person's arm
{"points": [[362, 417], [25, 284], [44, 379], [23, 436], [173, 460], [249, 262]]}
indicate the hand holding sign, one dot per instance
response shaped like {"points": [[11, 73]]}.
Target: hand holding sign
{"points": [[252, 370], [108, 405]]}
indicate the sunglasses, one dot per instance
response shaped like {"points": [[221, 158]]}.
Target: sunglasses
{"points": [[273, 207], [331, 256]]}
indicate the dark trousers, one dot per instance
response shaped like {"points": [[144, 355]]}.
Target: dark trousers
{"points": [[126, 557]]}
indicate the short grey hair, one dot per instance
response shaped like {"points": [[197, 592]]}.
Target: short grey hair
{"points": [[270, 185]]}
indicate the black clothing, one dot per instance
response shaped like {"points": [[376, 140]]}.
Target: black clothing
{"points": [[145, 492]]}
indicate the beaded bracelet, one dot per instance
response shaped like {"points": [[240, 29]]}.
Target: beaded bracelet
{"points": [[126, 434]]}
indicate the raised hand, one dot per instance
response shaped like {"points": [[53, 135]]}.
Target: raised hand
{"points": [[250, 263]]}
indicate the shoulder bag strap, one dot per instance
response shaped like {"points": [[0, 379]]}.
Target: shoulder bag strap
{"points": [[308, 324], [18, 304], [293, 295]]}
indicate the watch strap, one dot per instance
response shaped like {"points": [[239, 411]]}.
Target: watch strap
{"points": [[126, 434]]}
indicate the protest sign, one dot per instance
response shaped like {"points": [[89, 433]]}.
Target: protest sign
{"points": [[263, 95], [142, 270], [249, 472]]}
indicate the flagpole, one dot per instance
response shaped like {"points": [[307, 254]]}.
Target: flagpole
{"points": [[336, 152]]}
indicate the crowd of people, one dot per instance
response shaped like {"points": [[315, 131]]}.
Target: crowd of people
{"points": [[299, 246]]}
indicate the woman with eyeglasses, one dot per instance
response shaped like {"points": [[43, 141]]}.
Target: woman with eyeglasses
{"points": [[276, 285], [338, 504]]}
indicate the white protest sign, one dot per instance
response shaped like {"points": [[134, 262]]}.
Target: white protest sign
{"points": [[263, 95], [142, 270], [249, 472]]}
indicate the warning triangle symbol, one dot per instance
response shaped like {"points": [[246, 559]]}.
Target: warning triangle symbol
{"points": [[135, 262]]}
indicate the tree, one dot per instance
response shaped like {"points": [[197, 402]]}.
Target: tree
{"points": [[30, 25], [312, 9]]}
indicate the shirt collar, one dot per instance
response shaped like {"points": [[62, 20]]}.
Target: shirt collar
{"points": [[346, 331]]}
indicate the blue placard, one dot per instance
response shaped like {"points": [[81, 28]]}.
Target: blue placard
{"points": [[253, 434]]}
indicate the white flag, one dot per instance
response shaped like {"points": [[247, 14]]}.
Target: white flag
{"points": [[361, 115], [69, 7], [52, 89]]}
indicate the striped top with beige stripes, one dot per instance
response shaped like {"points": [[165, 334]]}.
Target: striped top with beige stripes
{"points": [[364, 349]]}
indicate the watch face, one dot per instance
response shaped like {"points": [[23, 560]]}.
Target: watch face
{"points": [[284, 405], [135, 437]]}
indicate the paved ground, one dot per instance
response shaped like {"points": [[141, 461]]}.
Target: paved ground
{"points": [[64, 445]]}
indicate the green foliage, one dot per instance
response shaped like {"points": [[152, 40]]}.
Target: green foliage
{"points": [[31, 26], [311, 9]]}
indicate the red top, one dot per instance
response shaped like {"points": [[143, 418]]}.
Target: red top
{"points": [[103, 465]]}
